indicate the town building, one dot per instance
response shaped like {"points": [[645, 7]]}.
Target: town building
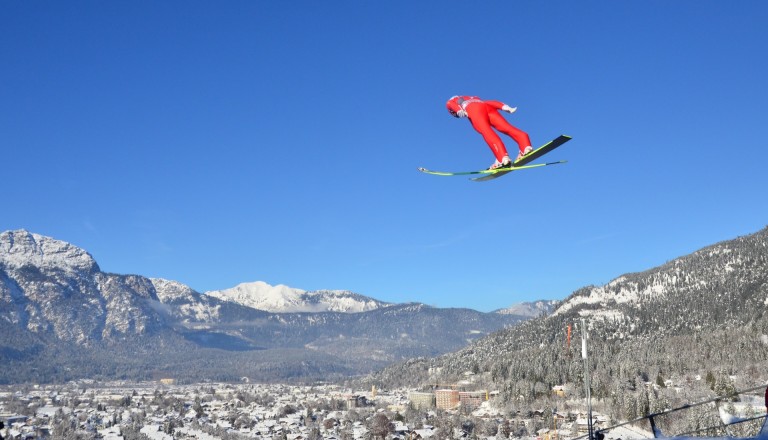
{"points": [[421, 400], [447, 399], [472, 399]]}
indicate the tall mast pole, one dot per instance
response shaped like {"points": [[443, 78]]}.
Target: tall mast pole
{"points": [[587, 375]]}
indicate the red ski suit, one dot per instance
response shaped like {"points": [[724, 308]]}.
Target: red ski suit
{"points": [[484, 116]]}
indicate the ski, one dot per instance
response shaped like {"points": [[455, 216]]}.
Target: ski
{"points": [[488, 173], [517, 165]]}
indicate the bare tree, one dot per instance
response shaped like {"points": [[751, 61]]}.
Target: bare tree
{"points": [[381, 426]]}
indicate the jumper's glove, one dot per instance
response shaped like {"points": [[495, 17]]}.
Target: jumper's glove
{"points": [[461, 113], [508, 109]]}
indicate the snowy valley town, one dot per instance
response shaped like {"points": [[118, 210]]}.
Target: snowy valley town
{"points": [[648, 354], [163, 411]]}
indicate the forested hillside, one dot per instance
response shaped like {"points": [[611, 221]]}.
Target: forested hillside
{"points": [[693, 322]]}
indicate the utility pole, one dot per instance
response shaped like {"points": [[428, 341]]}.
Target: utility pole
{"points": [[587, 374], [554, 421]]}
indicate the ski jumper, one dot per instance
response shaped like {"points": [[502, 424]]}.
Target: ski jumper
{"points": [[485, 116]]}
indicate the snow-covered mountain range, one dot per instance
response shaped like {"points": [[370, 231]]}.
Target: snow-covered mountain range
{"points": [[284, 299], [61, 317]]}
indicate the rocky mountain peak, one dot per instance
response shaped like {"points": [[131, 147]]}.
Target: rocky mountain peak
{"points": [[169, 291], [21, 248]]}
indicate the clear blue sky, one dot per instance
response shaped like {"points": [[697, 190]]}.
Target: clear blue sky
{"points": [[215, 143]]}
